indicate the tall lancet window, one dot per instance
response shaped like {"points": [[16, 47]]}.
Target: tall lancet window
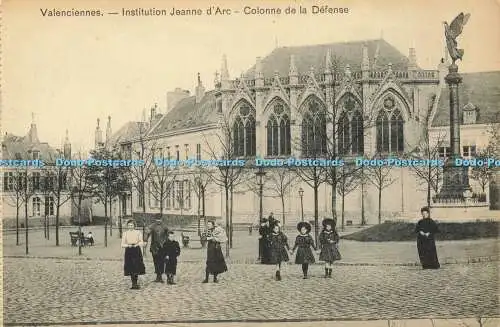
{"points": [[244, 136], [314, 130], [390, 128], [278, 132], [350, 130], [344, 140]]}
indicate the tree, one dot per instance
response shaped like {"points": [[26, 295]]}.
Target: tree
{"points": [[161, 182], [13, 184], [220, 146], [428, 150], [280, 182], [201, 180], [482, 174], [29, 186], [348, 181], [60, 192], [82, 187], [380, 176], [108, 181], [141, 149]]}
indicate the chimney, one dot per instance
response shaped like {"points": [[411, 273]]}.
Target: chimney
{"points": [[412, 59], [174, 97], [199, 90], [67, 147], [470, 114], [33, 134]]}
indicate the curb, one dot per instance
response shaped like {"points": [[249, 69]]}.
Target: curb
{"points": [[246, 262]]}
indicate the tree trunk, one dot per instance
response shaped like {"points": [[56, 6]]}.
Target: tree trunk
{"points": [[17, 221], [363, 216], [199, 210], [227, 218], [316, 218], [283, 209], [106, 222], [120, 214], [57, 219], [380, 205], [26, 223], [343, 211], [231, 219], [110, 216], [334, 200], [429, 177], [79, 212], [203, 206]]}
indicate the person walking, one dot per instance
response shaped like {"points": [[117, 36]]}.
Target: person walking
{"points": [[426, 230], [278, 249], [215, 263], [133, 261], [303, 244], [172, 251], [159, 234], [329, 239]]}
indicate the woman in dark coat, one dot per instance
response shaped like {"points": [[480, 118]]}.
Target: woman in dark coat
{"points": [[134, 263], [172, 251], [328, 240], [303, 244], [215, 259], [426, 230], [278, 249]]}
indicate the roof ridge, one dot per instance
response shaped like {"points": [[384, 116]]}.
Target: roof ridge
{"points": [[331, 43]]}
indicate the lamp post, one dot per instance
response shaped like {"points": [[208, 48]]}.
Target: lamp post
{"points": [[301, 194], [260, 176]]}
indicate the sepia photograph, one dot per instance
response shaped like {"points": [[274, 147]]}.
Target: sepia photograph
{"points": [[250, 163]]}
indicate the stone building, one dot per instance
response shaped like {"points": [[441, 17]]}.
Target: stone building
{"points": [[42, 181], [287, 105]]}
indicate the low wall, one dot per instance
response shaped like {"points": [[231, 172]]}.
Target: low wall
{"points": [[142, 218], [10, 223]]}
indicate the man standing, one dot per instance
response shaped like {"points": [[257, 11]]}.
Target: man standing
{"points": [[159, 235]]}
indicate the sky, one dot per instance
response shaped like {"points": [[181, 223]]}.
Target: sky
{"points": [[69, 71]]}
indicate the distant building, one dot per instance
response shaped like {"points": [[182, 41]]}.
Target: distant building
{"points": [[382, 98], [42, 182]]}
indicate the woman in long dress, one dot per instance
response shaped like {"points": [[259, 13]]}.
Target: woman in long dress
{"points": [[133, 262], [215, 258], [426, 230], [328, 239]]}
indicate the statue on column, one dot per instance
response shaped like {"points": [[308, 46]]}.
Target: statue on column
{"points": [[451, 33]]}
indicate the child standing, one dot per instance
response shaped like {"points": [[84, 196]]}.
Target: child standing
{"points": [[133, 262], [328, 240], [278, 245], [172, 251], [304, 242]]}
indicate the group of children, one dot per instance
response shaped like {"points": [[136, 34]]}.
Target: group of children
{"points": [[276, 248]]}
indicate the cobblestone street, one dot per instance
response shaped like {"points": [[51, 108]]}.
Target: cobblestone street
{"points": [[64, 291]]}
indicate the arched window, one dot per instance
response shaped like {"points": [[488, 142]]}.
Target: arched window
{"points": [[343, 134], [390, 128], [357, 130], [37, 203], [278, 132], [314, 130], [244, 132]]}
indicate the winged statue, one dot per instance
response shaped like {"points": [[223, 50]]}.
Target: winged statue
{"points": [[451, 33]]}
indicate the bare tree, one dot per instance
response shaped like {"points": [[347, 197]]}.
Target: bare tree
{"points": [[141, 149], [161, 182], [380, 176], [280, 182], [201, 180], [13, 184], [82, 188], [29, 185], [220, 146], [482, 174]]}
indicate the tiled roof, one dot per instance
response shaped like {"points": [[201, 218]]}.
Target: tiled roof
{"points": [[481, 90], [129, 131], [187, 113], [315, 56], [17, 147]]}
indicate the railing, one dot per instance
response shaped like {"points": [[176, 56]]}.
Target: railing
{"points": [[357, 75]]}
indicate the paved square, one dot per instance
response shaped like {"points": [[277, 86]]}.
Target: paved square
{"points": [[65, 291]]}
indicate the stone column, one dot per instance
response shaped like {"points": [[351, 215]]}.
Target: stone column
{"points": [[455, 179]]}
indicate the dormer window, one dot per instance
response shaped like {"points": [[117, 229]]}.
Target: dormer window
{"points": [[470, 114], [36, 155]]}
